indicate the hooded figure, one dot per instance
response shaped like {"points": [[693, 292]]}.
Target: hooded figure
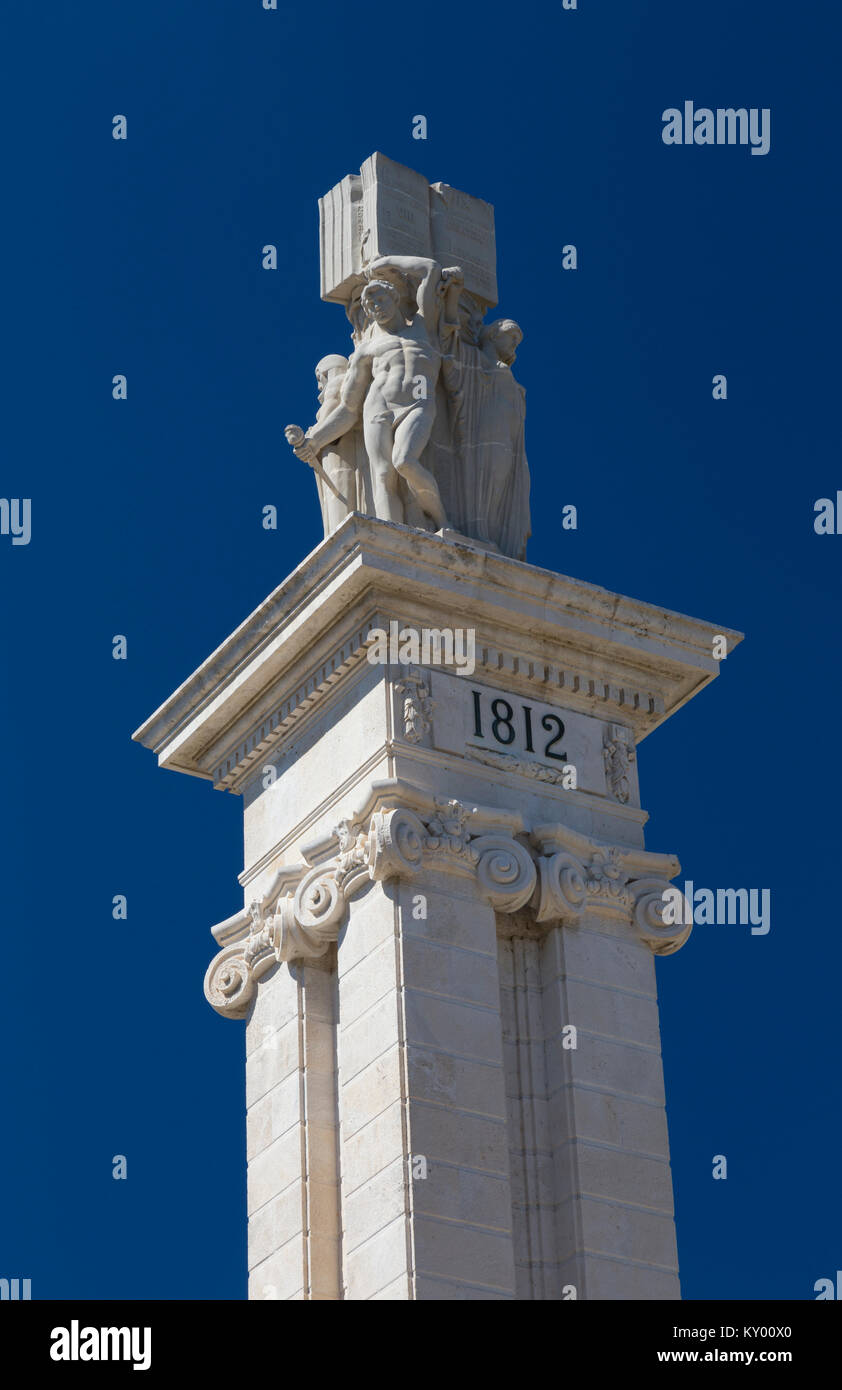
{"points": [[345, 460], [488, 494]]}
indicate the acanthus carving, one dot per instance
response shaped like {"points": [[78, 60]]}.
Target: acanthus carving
{"points": [[567, 888], [301, 925], [352, 859], [558, 886], [260, 945]]}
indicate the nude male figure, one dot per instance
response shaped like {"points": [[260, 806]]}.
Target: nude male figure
{"points": [[391, 382]]}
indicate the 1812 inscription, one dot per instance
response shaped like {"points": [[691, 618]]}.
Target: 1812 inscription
{"points": [[527, 737], [502, 726]]}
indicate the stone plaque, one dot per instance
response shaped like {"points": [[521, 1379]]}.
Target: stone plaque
{"points": [[516, 733]]}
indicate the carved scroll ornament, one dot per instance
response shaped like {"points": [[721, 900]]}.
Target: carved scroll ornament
{"points": [[555, 884]]}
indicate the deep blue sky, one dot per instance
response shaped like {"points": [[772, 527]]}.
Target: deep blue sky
{"points": [[143, 257]]}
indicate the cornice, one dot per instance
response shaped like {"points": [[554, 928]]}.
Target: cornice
{"points": [[532, 625], [512, 671]]}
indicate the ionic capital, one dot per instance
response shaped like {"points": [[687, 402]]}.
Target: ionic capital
{"points": [[560, 875]]}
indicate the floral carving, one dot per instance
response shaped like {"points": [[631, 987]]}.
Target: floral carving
{"points": [[448, 830], [353, 851], [557, 886], [606, 877]]}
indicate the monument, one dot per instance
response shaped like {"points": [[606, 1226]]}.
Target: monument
{"points": [[429, 384], [445, 957]]}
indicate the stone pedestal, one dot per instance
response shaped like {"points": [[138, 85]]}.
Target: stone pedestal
{"points": [[445, 961]]}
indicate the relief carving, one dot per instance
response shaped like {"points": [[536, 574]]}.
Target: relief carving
{"points": [[555, 885]]}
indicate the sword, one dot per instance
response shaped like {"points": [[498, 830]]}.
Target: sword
{"points": [[295, 436]]}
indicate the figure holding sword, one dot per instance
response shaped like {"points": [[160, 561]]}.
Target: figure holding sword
{"points": [[389, 388], [303, 449], [340, 467]]}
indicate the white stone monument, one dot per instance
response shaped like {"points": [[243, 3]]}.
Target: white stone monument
{"points": [[427, 405], [445, 960]]}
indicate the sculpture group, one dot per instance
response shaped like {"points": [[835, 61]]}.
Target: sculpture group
{"points": [[423, 424]]}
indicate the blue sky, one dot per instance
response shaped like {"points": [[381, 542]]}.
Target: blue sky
{"points": [[143, 257]]}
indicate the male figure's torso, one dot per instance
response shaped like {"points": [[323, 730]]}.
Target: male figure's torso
{"points": [[397, 362]]}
